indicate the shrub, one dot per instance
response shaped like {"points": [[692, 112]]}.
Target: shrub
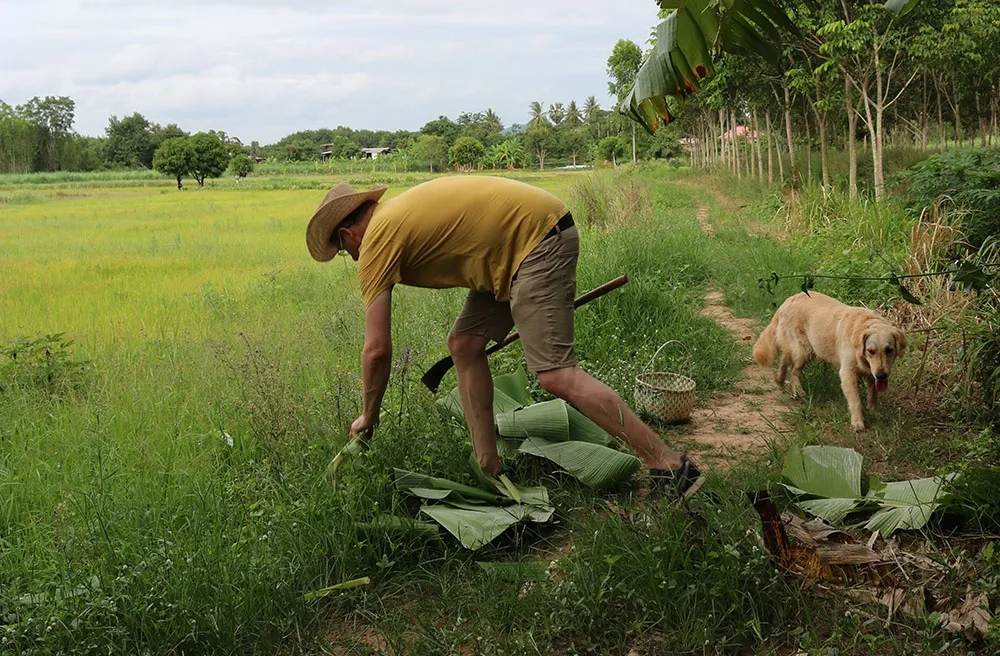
{"points": [[43, 363], [970, 178]]}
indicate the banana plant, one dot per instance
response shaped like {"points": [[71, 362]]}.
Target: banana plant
{"points": [[694, 33]]}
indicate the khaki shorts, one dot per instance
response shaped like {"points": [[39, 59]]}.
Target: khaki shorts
{"points": [[541, 305]]}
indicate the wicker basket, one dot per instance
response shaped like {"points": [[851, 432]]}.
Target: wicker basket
{"points": [[669, 397]]}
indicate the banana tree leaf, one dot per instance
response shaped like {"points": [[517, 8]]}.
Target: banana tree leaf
{"points": [[824, 471], [832, 510], [514, 386], [685, 41], [593, 465], [584, 430], [475, 526], [907, 505], [548, 420], [430, 487], [520, 511], [452, 402]]}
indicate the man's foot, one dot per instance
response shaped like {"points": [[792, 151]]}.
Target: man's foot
{"points": [[675, 485]]}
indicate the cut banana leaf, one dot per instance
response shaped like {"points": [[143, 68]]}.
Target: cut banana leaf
{"points": [[548, 420], [832, 510], [514, 386], [824, 471], [475, 526], [452, 402], [584, 430], [594, 465], [907, 505], [430, 487]]}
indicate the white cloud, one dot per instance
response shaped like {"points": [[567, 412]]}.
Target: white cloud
{"points": [[261, 69]]}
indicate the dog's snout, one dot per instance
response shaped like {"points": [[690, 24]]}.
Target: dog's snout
{"points": [[881, 375]]}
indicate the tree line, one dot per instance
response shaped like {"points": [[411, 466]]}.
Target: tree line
{"points": [[39, 136]]}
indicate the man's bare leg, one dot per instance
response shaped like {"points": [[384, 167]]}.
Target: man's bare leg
{"points": [[603, 406], [475, 388]]}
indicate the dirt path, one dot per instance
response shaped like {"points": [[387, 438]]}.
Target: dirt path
{"points": [[728, 426]]}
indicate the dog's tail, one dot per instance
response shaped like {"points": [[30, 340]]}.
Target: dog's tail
{"points": [[766, 348]]}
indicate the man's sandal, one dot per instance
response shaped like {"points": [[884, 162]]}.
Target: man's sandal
{"points": [[675, 485]]}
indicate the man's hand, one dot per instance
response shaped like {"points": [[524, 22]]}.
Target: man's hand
{"points": [[363, 427]]}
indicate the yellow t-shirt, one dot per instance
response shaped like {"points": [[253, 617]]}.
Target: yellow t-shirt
{"points": [[458, 231]]}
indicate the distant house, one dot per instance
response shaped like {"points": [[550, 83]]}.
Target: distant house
{"points": [[740, 131], [327, 152], [373, 153]]}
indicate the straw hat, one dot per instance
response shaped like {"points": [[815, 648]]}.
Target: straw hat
{"points": [[338, 204]]}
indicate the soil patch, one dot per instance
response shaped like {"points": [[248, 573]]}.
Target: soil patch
{"points": [[729, 426]]}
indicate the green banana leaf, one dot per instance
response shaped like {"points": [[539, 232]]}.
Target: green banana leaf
{"points": [[475, 526], [594, 465], [548, 420], [823, 471], [430, 487], [452, 402], [514, 386], [907, 505], [554, 420], [834, 477], [583, 430]]}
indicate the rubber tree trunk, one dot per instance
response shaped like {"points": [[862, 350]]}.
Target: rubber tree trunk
{"points": [[793, 170], [852, 139], [770, 151]]}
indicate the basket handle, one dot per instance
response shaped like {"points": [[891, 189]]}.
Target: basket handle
{"points": [[652, 360]]}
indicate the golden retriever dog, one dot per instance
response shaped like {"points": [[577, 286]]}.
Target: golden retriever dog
{"points": [[861, 344]]}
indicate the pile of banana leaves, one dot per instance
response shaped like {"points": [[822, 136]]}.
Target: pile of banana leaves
{"points": [[553, 430]]}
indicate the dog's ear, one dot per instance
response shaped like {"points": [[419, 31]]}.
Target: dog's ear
{"points": [[900, 337], [860, 339]]}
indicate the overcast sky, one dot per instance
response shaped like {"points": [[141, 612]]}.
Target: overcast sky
{"points": [[261, 69]]}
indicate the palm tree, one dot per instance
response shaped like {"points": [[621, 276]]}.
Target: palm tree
{"points": [[591, 113], [573, 118], [556, 113], [537, 110], [493, 120]]}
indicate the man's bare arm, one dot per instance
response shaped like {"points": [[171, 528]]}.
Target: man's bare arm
{"points": [[376, 361]]}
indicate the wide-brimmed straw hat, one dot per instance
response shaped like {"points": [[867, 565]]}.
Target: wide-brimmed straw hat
{"points": [[338, 204]]}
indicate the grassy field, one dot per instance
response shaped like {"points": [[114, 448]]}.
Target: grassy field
{"points": [[164, 484]]}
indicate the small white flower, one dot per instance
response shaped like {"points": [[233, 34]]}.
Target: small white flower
{"points": [[228, 438]]}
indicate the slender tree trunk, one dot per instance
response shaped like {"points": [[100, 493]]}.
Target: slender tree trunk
{"points": [[821, 124], [735, 141], [809, 145], [982, 122], [793, 171], [634, 160], [723, 155], [770, 151], [942, 136], [959, 136], [760, 158], [924, 122], [852, 138], [877, 134]]}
